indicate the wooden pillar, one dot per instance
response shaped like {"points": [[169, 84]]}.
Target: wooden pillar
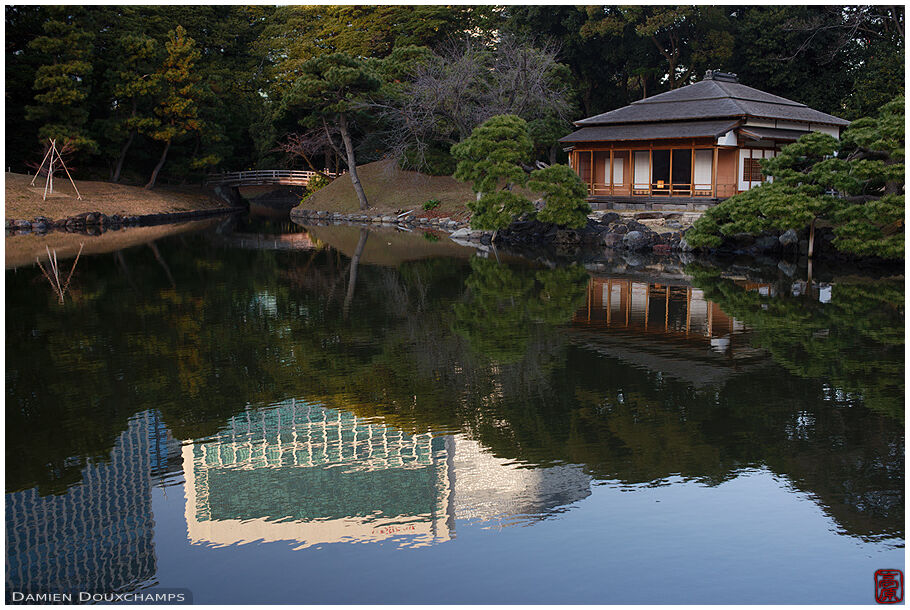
{"points": [[670, 183], [667, 311], [591, 171], [710, 317], [611, 170], [650, 167], [692, 171], [714, 176]]}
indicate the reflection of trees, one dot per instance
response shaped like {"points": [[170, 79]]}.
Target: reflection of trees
{"points": [[244, 327], [503, 303], [856, 341]]}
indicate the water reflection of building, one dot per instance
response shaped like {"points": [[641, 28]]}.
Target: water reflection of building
{"points": [[96, 537], [310, 475], [665, 327]]}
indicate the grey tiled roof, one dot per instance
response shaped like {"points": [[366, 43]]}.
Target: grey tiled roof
{"points": [[653, 131], [712, 99]]}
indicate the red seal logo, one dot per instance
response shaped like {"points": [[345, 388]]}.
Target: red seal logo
{"points": [[889, 586]]}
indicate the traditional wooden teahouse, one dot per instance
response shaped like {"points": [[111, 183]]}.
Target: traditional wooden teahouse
{"points": [[688, 148]]}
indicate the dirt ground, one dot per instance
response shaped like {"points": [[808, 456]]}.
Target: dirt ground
{"points": [[24, 202]]}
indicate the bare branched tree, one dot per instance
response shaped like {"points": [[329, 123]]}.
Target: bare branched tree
{"points": [[309, 145], [464, 84]]}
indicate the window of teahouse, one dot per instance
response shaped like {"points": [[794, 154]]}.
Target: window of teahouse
{"points": [[752, 170]]}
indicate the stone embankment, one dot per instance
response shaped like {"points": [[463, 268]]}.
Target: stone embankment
{"points": [[95, 223], [658, 232]]}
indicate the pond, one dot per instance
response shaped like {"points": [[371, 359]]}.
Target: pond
{"points": [[249, 411]]}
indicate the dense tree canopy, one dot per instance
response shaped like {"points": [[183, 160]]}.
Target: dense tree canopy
{"points": [[88, 73]]}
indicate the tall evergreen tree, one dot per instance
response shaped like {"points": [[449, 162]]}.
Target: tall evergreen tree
{"points": [[177, 112], [331, 90], [61, 80]]}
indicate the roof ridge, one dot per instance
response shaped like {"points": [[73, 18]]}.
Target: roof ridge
{"points": [[778, 99]]}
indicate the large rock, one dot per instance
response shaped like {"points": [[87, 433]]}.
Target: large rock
{"points": [[684, 245], [788, 238], [767, 243], [635, 240], [462, 233]]}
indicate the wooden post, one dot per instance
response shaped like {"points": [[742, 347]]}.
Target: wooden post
{"points": [[650, 167], [671, 173], [611, 170], [667, 311], [714, 176], [692, 172], [591, 171]]}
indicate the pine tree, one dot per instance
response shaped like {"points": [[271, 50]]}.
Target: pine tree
{"points": [[177, 112], [61, 82], [134, 86], [565, 195], [491, 159], [866, 170], [331, 90]]}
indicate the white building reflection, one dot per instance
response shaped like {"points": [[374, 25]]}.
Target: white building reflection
{"points": [[312, 475]]}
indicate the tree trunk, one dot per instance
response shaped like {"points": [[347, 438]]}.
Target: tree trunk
{"points": [[355, 261], [126, 147], [352, 163], [159, 166], [811, 238]]}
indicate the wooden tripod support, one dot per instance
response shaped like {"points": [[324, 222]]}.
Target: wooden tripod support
{"points": [[49, 158]]}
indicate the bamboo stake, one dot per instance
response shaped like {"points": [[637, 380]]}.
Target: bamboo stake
{"points": [[40, 166], [73, 182]]}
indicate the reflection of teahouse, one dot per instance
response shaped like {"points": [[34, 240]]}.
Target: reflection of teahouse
{"points": [[689, 147], [667, 327]]}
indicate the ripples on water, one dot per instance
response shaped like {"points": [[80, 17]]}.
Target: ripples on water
{"points": [[449, 429]]}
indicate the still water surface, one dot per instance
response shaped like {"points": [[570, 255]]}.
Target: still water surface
{"points": [[259, 413]]}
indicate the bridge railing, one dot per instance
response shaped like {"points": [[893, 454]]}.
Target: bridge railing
{"points": [[264, 176]]}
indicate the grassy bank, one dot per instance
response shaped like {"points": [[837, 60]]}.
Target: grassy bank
{"points": [[390, 189], [25, 202]]}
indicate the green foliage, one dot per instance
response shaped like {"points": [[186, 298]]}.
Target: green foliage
{"points": [[491, 158], [867, 172], [62, 81], [328, 86], [856, 341], [431, 204], [505, 304], [315, 183], [435, 161], [565, 196], [177, 111]]}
